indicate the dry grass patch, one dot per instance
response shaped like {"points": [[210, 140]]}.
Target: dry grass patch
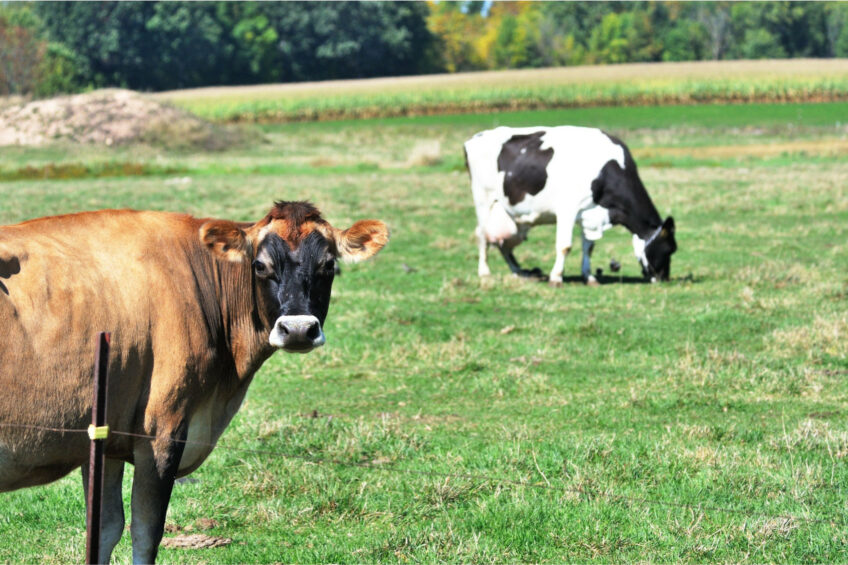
{"points": [[811, 434], [704, 456], [826, 335], [775, 527], [625, 73], [834, 147], [691, 82], [770, 192], [425, 153], [778, 274]]}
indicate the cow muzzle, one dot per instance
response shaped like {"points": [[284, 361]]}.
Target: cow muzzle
{"points": [[297, 334]]}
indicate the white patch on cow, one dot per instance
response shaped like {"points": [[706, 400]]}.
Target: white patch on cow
{"points": [[594, 221], [265, 257], [639, 250], [263, 232], [199, 439], [206, 425]]}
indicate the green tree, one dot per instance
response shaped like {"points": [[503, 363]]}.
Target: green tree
{"points": [[761, 44], [684, 37], [837, 29], [685, 42], [59, 74], [161, 45], [321, 40], [21, 55], [608, 42], [779, 29], [29, 64]]}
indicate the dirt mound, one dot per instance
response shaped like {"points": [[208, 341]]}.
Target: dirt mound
{"points": [[110, 117]]}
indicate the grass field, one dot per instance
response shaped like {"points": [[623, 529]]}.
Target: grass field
{"points": [[455, 419], [791, 80]]}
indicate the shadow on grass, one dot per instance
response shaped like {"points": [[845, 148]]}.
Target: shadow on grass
{"points": [[608, 279], [615, 279]]}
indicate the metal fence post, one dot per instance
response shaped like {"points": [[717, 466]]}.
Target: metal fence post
{"points": [[97, 431]]}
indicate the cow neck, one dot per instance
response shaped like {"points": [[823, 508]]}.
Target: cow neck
{"points": [[650, 239], [242, 325], [646, 223]]}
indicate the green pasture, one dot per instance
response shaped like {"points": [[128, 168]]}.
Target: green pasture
{"points": [[454, 419]]}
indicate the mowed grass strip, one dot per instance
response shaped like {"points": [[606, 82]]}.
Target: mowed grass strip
{"points": [[710, 134], [699, 420], [791, 80]]}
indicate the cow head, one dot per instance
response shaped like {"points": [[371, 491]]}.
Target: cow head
{"points": [[654, 253], [293, 251]]}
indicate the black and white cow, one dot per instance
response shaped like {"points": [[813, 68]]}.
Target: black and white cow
{"points": [[522, 177]]}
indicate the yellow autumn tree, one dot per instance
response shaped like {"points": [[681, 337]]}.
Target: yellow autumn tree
{"points": [[456, 32]]}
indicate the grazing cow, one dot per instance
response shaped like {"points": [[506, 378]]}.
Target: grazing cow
{"points": [[522, 177], [195, 306]]}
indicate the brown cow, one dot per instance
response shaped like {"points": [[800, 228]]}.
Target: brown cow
{"points": [[194, 307]]}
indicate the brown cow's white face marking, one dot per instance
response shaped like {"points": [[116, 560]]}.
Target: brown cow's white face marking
{"points": [[302, 330]]}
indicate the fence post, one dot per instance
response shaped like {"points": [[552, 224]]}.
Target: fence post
{"points": [[97, 431]]}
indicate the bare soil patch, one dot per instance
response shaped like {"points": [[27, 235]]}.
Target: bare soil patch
{"points": [[110, 117], [195, 541]]}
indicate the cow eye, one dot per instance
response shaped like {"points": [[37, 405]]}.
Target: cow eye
{"points": [[261, 269], [330, 265]]}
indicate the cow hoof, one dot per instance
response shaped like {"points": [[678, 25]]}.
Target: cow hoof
{"points": [[592, 281], [555, 284]]}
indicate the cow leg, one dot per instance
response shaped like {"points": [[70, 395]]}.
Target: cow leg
{"points": [[513, 265], [112, 508], [506, 247], [506, 251], [586, 268], [483, 248], [564, 227], [156, 468]]}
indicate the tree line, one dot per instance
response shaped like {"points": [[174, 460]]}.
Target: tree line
{"points": [[53, 47]]}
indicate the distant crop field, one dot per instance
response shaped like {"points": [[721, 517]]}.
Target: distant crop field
{"points": [[791, 80], [456, 419]]}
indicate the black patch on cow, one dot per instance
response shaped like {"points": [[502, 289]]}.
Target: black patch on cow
{"points": [[8, 268], [525, 166], [621, 192]]}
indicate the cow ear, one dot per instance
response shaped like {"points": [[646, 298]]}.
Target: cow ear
{"points": [[667, 227], [362, 240], [224, 239]]}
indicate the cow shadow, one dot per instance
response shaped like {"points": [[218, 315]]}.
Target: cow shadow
{"points": [[607, 279], [621, 279]]}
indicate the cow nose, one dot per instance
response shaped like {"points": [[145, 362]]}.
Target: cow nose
{"points": [[297, 333]]}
